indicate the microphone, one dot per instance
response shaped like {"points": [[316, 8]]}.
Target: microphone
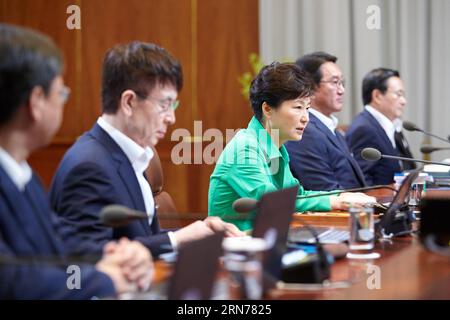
{"points": [[117, 216], [111, 216], [278, 264], [427, 149], [409, 126], [372, 154], [316, 270], [245, 205]]}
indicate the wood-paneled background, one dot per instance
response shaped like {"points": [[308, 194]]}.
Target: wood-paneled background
{"points": [[211, 38]]}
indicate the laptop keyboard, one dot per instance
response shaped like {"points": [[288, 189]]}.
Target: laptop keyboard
{"points": [[326, 235]]}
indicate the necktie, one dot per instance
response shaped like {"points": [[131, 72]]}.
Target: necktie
{"points": [[403, 150], [358, 172]]}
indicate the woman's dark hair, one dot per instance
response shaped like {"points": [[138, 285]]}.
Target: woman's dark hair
{"points": [[376, 79], [27, 59], [137, 66], [278, 82]]}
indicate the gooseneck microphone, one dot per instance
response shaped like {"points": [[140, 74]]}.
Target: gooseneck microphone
{"points": [[111, 216], [315, 271], [409, 126], [372, 154], [245, 205], [117, 216], [427, 149]]}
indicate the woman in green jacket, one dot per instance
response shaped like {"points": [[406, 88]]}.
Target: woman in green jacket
{"points": [[255, 161]]}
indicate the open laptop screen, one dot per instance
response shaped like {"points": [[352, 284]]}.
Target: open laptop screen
{"points": [[273, 217], [196, 268], [394, 220]]}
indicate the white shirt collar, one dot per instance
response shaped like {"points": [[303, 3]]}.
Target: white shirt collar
{"points": [[398, 124], [330, 122], [387, 125], [20, 173], [138, 156]]}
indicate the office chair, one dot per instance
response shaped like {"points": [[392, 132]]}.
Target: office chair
{"points": [[165, 205]]}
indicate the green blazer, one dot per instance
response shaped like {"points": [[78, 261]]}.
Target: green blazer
{"points": [[249, 166]]}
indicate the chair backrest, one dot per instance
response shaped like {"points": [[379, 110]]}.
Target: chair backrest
{"points": [[165, 205], [154, 174]]}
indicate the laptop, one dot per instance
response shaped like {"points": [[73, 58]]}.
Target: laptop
{"points": [[393, 215], [283, 264], [274, 215], [195, 269], [398, 218], [194, 273]]}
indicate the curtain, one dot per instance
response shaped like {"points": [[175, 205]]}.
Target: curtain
{"points": [[412, 36]]}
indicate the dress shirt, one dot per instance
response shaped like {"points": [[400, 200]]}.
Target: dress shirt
{"points": [[250, 166], [20, 173], [388, 126], [330, 122], [139, 158]]}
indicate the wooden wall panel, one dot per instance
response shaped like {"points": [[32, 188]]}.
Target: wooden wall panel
{"points": [[49, 16], [166, 23], [227, 33], [212, 39]]}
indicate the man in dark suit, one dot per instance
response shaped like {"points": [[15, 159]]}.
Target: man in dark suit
{"points": [[379, 126], [106, 165], [33, 257], [322, 160]]}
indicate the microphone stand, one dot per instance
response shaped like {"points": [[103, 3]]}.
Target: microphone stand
{"points": [[330, 193], [416, 160], [318, 271], [433, 135]]}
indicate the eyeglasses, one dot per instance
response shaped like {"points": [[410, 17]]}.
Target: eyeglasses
{"points": [[336, 82], [65, 94], [398, 94], [165, 104]]}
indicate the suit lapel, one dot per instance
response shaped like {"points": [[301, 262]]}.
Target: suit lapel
{"points": [[353, 163], [380, 132], [25, 215], [339, 142], [39, 200], [323, 128], [124, 170]]}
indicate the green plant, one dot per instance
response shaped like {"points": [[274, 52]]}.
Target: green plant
{"points": [[246, 78]]}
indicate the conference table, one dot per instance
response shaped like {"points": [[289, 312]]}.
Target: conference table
{"points": [[405, 270]]}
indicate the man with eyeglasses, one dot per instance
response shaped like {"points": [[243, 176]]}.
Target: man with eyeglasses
{"points": [[34, 256], [106, 165], [379, 126], [322, 160]]}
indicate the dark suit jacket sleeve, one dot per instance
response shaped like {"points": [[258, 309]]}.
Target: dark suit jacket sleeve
{"points": [[86, 189], [157, 243], [48, 282], [310, 164], [82, 195], [359, 139]]}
